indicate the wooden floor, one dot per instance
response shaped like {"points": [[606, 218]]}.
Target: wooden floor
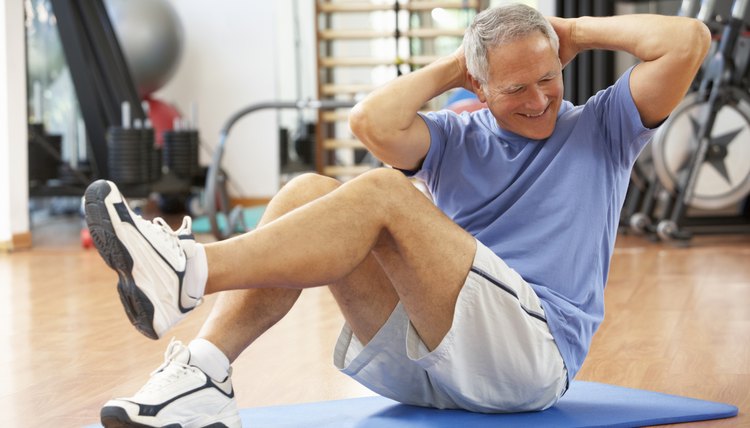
{"points": [[678, 321]]}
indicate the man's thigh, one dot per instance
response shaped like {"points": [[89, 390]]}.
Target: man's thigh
{"points": [[426, 256], [498, 356], [366, 298], [421, 259]]}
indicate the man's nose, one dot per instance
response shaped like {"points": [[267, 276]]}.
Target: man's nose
{"points": [[537, 99]]}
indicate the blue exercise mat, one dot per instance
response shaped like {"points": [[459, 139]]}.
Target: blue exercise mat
{"points": [[251, 216], [586, 404]]}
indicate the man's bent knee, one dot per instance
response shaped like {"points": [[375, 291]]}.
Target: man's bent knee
{"points": [[385, 178], [306, 188], [299, 191], [387, 183], [313, 183]]}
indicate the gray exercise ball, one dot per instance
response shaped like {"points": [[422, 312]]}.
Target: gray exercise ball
{"points": [[151, 38]]}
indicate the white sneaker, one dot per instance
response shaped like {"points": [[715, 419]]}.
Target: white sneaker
{"points": [[149, 258], [177, 395]]}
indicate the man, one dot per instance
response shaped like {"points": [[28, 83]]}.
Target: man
{"points": [[485, 302]]}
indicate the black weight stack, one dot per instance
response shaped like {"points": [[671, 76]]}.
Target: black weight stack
{"points": [[44, 155], [181, 153], [131, 156]]}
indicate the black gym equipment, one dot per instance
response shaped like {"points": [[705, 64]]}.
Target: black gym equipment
{"points": [[100, 73], [119, 132], [700, 157], [216, 201], [182, 171]]}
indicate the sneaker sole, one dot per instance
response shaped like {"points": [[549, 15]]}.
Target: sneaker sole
{"points": [[137, 306], [117, 417]]}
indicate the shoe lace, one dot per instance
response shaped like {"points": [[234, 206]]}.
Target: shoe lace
{"points": [[170, 370], [171, 237]]}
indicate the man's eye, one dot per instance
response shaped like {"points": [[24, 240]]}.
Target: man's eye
{"points": [[546, 79]]}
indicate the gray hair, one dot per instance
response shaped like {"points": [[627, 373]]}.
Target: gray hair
{"points": [[498, 26]]}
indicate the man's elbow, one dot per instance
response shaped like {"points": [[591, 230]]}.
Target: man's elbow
{"points": [[358, 121], [364, 127]]}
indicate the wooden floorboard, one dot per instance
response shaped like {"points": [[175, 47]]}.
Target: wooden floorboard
{"points": [[677, 321]]}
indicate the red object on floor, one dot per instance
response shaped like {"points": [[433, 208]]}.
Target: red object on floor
{"points": [[86, 240]]}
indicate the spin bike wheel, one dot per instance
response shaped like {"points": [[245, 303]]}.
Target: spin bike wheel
{"points": [[674, 143]]}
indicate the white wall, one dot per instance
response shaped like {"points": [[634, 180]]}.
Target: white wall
{"points": [[14, 192], [229, 62]]}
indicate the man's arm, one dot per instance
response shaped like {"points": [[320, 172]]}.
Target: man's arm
{"points": [[386, 121], [671, 50]]}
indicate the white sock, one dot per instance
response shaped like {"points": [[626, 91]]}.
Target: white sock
{"points": [[207, 357], [196, 272]]}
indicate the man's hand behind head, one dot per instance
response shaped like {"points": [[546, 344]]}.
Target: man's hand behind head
{"points": [[565, 29], [460, 58]]}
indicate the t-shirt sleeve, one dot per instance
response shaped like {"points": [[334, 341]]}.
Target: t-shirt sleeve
{"points": [[440, 123], [621, 122]]}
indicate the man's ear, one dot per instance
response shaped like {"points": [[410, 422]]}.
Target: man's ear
{"points": [[476, 87]]}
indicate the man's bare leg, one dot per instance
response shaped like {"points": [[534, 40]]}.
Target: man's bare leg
{"points": [[239, 317], [423, 253], [366, 291]]}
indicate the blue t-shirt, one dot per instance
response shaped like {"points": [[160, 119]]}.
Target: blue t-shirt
{"points": [[549, 208]]}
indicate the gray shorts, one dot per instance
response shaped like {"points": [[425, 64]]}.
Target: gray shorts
{"points": [[498, 356]]}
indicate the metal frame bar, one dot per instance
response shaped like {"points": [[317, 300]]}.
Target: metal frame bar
{"points": [[217, 201]]}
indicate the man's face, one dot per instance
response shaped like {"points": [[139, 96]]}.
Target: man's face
{"points": [[524, 89]]}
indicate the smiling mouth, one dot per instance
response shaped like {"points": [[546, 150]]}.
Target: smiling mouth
{"points": [[535, 116]]}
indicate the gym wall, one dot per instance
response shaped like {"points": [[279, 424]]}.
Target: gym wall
{"points": [[229, 62], [14, 221]]}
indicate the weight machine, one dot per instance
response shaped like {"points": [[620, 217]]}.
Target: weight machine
{"points": [[700, 157], [216, 195]]}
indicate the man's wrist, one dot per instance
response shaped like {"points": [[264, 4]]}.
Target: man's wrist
{"points": [[578, 35], [573, 35], [448, 72], [460, 66]]}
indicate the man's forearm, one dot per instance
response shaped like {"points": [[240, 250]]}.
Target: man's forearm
{"points": [[386, 121], [671, 50], [398, 101], [647, 37]]}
